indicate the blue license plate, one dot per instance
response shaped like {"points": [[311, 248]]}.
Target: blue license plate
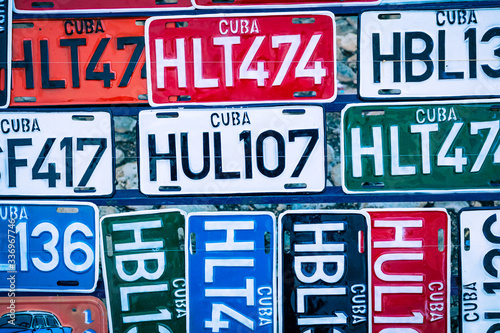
{"points": [[231, 272], [48, 246]]}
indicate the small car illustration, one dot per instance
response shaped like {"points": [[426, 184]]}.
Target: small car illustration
{"points": [[32, 321]]}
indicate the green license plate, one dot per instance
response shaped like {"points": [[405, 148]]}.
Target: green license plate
{"points": [[421, 147], [143, 269]]}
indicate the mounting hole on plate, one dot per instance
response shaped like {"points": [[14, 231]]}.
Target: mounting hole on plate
{"points": [[441, 240], [42, 4], [467, 239], [192, 243]]}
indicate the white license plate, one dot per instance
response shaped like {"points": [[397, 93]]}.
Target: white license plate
{"points": [[56, 154], [480, 249], [430, 53], [223, 151]]}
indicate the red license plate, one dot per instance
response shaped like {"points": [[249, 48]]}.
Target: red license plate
{"points": [[61, 314], [98, 6], [281, 3], [410, 258], [230, 59], [78, 61]]}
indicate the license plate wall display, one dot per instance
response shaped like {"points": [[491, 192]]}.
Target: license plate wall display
{"points": [[56, 154], [241, 58], [410, 265], [54, 314], [48, 246], [429, 54], [479, 249], [224, 151], [231, 272], [96, 6], [78, 61], [323, 271], [143, 271], [212, 4], [5, 53], [432, 147]]}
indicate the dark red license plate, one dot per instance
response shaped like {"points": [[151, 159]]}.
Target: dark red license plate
{"points": [[410, 262]]}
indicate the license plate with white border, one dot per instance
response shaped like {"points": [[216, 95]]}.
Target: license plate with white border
{"points": [[224, 151], [143, 270], [313, 299], [49, 246], [55, 314], [56, 153], [231, 272], [224, 59], [429, 53], [410, 265], [479, 247]]}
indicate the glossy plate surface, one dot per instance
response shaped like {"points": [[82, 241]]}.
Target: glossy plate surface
{"points": [[143, 271], [241, 58], [479, 247], [410, 265], [323, 271], [223, 151], [56, 154], [437, 147], [231, 272], [49, 246], [96, 6], [54, 314], [429, 54], [78, 61]]}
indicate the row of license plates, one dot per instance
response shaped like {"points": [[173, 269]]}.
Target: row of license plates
{"points": [[437, 147], [246, 58], [165, 271], [55, 6]]}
